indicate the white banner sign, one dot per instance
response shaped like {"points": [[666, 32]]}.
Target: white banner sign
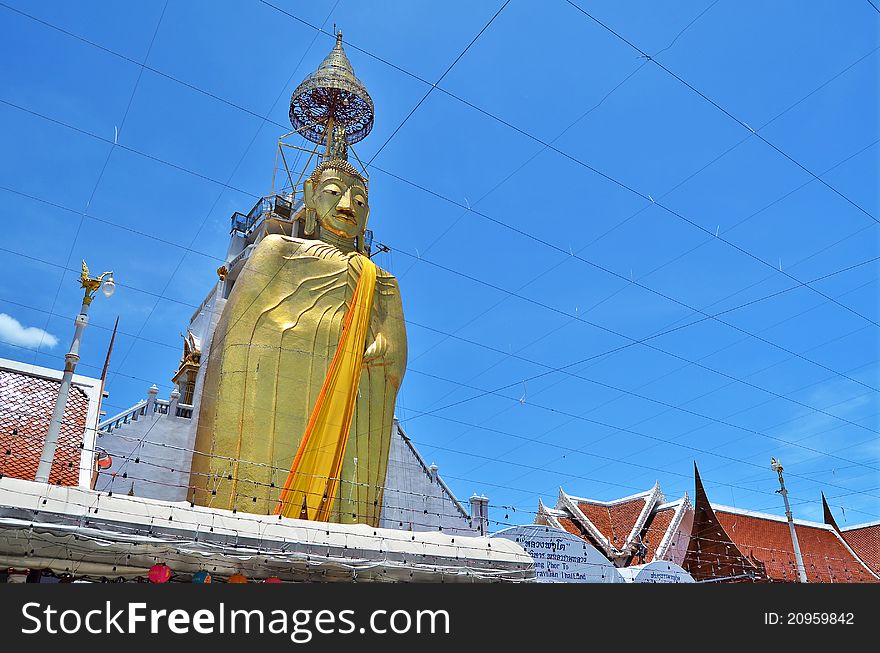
{"points": [[561, 557]]}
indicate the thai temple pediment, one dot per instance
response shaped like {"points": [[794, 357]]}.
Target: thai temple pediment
{"points": [[711, 542]]}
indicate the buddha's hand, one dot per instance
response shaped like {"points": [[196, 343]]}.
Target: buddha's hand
{"points": [[375, 353]]}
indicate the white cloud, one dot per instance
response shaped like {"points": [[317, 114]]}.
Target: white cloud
{"points": [[13, 332]]}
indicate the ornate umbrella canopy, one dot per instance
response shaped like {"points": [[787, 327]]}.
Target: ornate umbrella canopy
{"points": [[332, 98]]}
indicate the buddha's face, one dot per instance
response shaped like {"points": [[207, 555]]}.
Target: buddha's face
{"points": [[340, 202]]}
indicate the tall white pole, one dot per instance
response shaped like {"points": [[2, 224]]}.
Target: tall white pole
{"points": [[802, 572], [70, 361], [91, 286]]}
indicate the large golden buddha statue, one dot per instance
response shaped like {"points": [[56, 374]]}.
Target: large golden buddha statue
{"points": [[310, 350]]}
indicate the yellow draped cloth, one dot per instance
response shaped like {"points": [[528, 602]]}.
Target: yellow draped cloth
{"points": [[313, 482]]}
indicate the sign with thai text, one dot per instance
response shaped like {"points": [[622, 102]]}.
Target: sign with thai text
{"points": [[561, 557]]}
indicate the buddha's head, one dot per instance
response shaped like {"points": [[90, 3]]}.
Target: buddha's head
{"points": [[337, 195]]}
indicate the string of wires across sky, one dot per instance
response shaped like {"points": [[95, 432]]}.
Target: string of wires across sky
{"points": [[646, 238]]}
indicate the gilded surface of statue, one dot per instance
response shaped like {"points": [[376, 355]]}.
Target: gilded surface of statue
{"points": [[306, 360]]}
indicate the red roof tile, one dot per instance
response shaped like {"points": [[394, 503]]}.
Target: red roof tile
{"points": [[570, 526], [826, 559], [865, 542], [615, 521], [655, 529], [26, 406], [573, 527]]}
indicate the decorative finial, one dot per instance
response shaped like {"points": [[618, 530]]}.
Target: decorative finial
{"points": [[332, 104]]}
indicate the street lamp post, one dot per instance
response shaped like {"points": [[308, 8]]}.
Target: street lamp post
{"points": [[91, 285], [776, 466]]}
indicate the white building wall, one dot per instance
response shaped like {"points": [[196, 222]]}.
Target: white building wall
{"points": [[151, 457], [416, 498]]}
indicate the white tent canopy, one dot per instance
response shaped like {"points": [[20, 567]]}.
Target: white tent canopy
{"points": [[95, 534]]}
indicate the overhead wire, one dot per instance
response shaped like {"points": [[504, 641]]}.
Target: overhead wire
{"points": [[165, 445], [97, 508], [320, 30], [621, 390], [103, 169], [208, 213], [727, 113], [644, 196], [535, 302], [501, 523], [439, 79], [593, 442], [498, 222], [595, 305]]}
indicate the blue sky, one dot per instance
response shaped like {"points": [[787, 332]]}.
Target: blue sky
{"points": [[555, 198]]}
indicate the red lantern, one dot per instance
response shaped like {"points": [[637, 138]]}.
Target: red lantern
{"points": [[159, 573], [103, 460], [273, 580]]}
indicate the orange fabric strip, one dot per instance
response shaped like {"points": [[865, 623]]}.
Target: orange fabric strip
{"points": [[312, 484]]}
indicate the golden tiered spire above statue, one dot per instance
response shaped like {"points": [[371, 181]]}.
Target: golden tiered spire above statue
{"points": [[310, 349], [332, 101]]}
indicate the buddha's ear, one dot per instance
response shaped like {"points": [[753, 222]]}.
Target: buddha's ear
{"points": [[311, 220]]}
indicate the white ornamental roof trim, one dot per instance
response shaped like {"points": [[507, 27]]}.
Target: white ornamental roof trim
{"points": [[853, 553], [770, 517], [857, 527], [103, 528], [570, 504], [674, 504], [654, 497], [651, 497], [613, 502], [681, 507], [550, 514]]}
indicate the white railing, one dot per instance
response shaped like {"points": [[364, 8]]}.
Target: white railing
{"points": [[162, 406], [138, 410], [184, 410], [142, 409]]}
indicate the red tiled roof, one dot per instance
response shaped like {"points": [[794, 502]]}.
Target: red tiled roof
{"points": [[26, 406], [615, 521], [865, 542], [655, 529], [735, 546], [573, 527], [826, 559], [570, 526]]}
